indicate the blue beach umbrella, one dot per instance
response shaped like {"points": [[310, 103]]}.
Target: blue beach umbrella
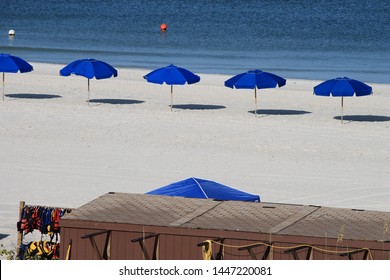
{"points": [[255, 79], [342, 87], [172, 75], [89, 68], [13, 64]]}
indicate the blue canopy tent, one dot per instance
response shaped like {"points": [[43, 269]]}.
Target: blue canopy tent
{"points": [[200, 188]]}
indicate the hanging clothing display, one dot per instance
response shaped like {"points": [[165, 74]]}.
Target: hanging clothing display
{"points": [[45, 220], [39, 250]]}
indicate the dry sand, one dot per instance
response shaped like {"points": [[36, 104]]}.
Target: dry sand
{"points": [[55, 150]]}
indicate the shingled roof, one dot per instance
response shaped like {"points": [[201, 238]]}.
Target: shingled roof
{"points": [[275, 218]]}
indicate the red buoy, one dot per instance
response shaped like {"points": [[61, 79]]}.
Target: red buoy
{"points": [[163, 27]]}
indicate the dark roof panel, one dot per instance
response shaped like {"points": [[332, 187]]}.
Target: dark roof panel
{"points": [[137, 209], [343, 223]]}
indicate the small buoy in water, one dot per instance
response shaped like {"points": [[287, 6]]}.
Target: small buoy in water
{"points": [[163, 27], [11, 32]]}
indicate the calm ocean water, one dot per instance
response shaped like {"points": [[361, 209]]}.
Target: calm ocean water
{"points": [[317, 39]]}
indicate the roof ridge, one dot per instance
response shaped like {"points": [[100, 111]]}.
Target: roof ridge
{"points": [[194, 214], [303, 213]]}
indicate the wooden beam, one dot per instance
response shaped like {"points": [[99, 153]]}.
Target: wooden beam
{"points": [[294, 251], [144, 237], [351, 253], [20, 234], [141, 242], [95, 248], [94, 234], [155, 248], [253, 255], [219, 255], [106, 250]]}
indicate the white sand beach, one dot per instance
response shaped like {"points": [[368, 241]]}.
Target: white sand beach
{"points": [[55, 150]]}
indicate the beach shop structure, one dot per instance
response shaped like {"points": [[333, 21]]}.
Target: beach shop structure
{"points": [[122, 226]]}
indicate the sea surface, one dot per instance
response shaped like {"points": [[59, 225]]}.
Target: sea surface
{"points": [[313, 39]]}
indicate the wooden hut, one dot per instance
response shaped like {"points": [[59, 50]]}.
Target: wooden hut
{"points": [[125, 226]]}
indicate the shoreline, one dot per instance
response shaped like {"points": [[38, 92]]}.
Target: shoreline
{"points": [[314, 67], [147, 70], [279, 71]]}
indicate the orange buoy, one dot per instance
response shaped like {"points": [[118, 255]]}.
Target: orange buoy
{"points": [[163, 27]]}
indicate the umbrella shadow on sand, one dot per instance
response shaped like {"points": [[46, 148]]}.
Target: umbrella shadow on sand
{"points": [[364, 118], [279, 112], [198, 107], [116, 101], [33, 96], [2, 236]]}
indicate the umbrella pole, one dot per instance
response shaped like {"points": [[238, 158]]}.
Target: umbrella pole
{"points": [[3, 85], [255, 103], [171, 96], [88, 92], [342, 108]]}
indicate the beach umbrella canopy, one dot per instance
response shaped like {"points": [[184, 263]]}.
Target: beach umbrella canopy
{"points": [[89, 68], [255, 79], [13, 64], [172, 75], [201, 188], [342, 87]]}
